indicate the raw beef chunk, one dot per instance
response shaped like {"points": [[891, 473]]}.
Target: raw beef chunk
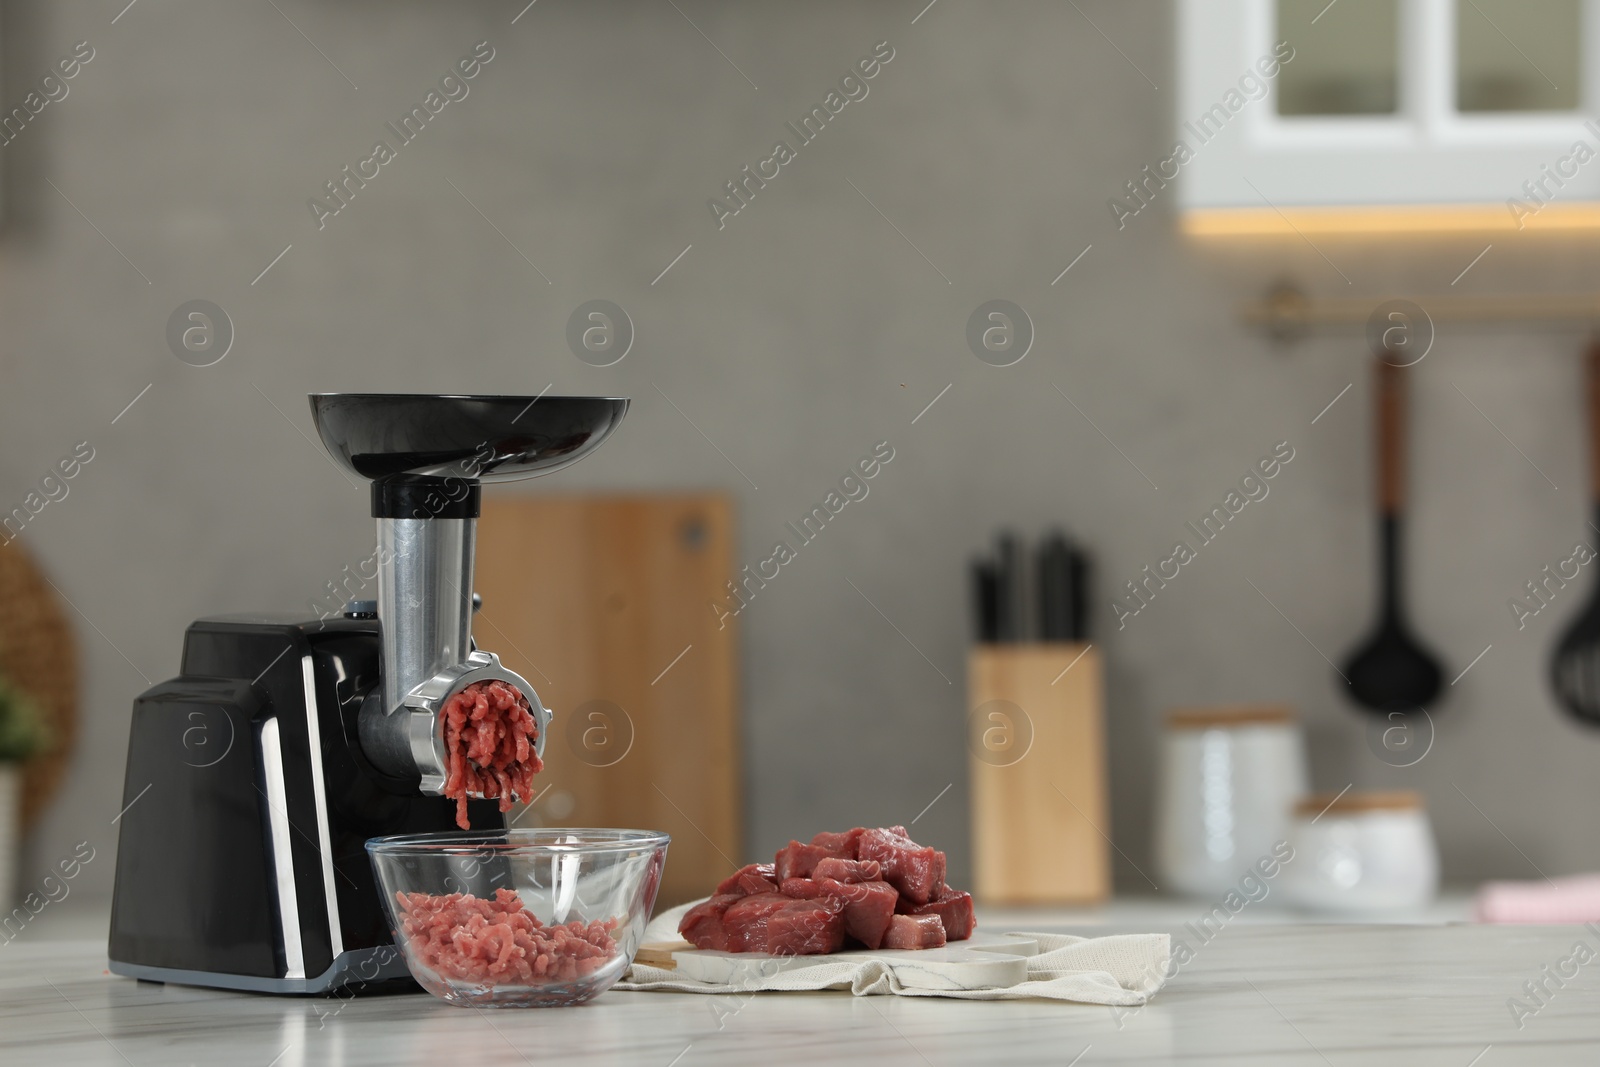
{"points": [[868, 910], [915, 870], [782, 925], [868, 906], [746, 921], [807, 928], [954, 909], [843, 870], [914, 931], [756, 878], [702, 925], [840, 844], [805, 888], [795, 860]]}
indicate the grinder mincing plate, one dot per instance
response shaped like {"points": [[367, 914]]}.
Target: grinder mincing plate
{"points": [[255, 777]]}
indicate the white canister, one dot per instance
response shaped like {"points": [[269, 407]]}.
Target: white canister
{"points": [[1229, 778], [1362, 852]]}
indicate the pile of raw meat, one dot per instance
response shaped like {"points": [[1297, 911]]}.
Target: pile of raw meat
{"points": [[463, 938], [489, 734], [862, 888]]}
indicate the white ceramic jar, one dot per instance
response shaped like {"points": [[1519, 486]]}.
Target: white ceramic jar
{"points": [[1362, 852], [1229, 778]]}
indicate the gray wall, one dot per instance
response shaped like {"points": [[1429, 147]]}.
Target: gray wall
{"points": [[797, 337]]}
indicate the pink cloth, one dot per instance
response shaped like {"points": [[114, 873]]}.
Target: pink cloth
{"points": [[1571, 900]]}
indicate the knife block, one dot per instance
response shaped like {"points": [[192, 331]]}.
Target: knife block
{"points": [[1036, 734]]}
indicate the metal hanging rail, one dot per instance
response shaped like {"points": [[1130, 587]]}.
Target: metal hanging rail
{"points": [[1287, 314]]}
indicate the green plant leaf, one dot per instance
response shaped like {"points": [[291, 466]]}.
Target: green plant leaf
{"points": [[23, 733]]}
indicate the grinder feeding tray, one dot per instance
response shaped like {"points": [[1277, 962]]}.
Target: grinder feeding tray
{"points": [[426, 456], [255, 778]]}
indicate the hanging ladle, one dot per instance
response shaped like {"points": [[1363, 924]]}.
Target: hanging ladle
{"points": [[1391, 671], [1575, 666]]}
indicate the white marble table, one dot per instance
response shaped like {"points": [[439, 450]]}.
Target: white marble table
{"points": [[1256, 994]]}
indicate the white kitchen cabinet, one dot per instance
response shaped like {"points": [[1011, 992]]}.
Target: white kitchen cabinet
{"points": [[1391, 114]]}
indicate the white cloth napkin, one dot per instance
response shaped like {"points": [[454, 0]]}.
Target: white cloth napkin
{"points": [[1122, 969]]}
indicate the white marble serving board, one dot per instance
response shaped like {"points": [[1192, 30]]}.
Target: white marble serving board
{"points": [[983, 961]]}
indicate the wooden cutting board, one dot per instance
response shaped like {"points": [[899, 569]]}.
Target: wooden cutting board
{"points": [[604, 604], [983, 961]]}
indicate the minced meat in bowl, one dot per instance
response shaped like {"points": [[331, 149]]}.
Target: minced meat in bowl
{"points": [[519, 918]]}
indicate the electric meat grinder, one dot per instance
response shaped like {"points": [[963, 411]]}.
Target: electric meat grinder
{"points": [[255, 777]]}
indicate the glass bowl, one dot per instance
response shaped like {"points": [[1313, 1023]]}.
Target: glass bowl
{"points": [[519, 918]]}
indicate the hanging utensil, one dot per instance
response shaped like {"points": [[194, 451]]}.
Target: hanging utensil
{"points": [[1575, 666], [1392, 671]]}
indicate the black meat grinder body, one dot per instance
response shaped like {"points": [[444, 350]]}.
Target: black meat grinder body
{"points": [[256, 777]]}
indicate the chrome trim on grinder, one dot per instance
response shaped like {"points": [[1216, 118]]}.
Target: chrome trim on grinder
{"points": [[282, 851], [319, 792]]}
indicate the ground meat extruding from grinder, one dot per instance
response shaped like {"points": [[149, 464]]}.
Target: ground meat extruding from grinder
{"points": [[489, 735], [464, 938]]}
